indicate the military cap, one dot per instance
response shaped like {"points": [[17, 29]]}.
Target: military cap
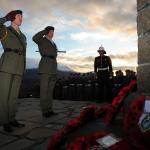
{"points": [[11, 15], [17, 12], [101, 49], [48, 28]]}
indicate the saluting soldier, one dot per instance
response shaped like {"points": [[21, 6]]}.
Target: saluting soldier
{"points": [[12, 66], [103, 70], [47, 68]]}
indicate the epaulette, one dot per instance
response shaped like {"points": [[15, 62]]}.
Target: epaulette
{"points": [[5, 35]]}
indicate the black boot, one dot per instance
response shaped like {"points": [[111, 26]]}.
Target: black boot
{"points": [[49, 114], [15, 123], [7, 127], [46, 115], [53, 113]]}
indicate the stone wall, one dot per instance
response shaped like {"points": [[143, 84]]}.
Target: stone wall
{"points": [[143, 30]]}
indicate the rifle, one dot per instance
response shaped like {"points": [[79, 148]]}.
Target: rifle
{"points": [[57, 51], [61, 51]]}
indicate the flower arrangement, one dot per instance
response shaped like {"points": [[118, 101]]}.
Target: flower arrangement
{"points": [[86, 115], [118, 102], [109, 112], [131, 128]]}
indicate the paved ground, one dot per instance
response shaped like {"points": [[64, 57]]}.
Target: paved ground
{"points": [[38, 130]]}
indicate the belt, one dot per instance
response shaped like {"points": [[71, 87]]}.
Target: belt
{"points": [[103, 69], [14, 50], [51, 57]]}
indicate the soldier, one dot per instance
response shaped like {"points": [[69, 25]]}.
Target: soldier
{"points": [[47, 68], [118, 81], [103, 70], [12, 65]]}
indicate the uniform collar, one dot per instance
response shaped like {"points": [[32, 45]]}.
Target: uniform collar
{"points": [[17, 29], [49, 39]]}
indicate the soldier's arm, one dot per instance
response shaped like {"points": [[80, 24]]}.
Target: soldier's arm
{"points": [[3, 29], [39, 36], [95, 66], [110, 64]]}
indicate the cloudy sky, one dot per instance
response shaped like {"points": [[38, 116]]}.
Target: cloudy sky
{"points": [[81, 27]]}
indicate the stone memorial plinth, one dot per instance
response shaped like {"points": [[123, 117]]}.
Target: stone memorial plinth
{"points": [[143, 30]]}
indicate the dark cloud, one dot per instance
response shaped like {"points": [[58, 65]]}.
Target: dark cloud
{"points": [[128, 56], [67, 58], [33, 63], [97, 14], [90, 16], [86, 63], [87, 59]]}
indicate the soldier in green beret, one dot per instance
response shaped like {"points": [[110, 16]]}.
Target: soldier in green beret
{"points": [[12, 66], [47, 68]]}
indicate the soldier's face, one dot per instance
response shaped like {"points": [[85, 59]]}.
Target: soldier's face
{"points": [[101, 53], [18, 19], [50, 34]]}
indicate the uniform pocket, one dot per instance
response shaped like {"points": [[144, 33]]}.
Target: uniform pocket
{"points": [[9, 62]]}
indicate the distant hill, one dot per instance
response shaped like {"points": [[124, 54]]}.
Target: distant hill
{"points": [[33, 73], [31, 80], [33, 63], [64, 68]]}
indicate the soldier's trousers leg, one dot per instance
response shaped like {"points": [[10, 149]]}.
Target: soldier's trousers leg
{"points": [[108, 91], [47, 83], [51, 85], [4, 95], [13, 95], [9, 88]]}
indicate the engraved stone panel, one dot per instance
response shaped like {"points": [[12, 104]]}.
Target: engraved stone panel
{"points": [[143, 30], [142, 3], [143, 21], [143, 78], [144, 49]]}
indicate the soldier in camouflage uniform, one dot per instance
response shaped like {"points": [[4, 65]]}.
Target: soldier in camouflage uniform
{"points": [[47, 68], [12, 66]]}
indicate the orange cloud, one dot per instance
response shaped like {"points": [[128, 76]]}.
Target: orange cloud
{"points": [[86, 64]]}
